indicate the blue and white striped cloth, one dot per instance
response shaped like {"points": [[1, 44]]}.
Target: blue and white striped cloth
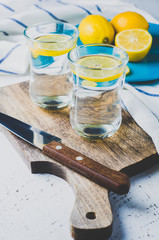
{"points": [[142, 101]]}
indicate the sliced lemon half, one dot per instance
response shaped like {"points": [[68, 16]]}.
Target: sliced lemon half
{"points": [[52, 45], [98, 68], [136, 42]]}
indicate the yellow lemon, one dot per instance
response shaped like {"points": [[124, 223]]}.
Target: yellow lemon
{"points": [[129, 20], [136, 42], [127, 71], [52, 45], [86, 83], [96, 29], [98, 68]]}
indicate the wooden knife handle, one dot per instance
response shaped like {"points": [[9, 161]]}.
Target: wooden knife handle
{"points": [[112, 180]]}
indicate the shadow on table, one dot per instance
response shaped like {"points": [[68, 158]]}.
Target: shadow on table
{"points": [[136, 215]]}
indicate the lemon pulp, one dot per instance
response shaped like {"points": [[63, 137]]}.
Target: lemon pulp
{"points": [[52, 45], [98, 68]]}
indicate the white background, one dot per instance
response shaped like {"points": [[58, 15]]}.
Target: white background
{"points": [[38, 207]]}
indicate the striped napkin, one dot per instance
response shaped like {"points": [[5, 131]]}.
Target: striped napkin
{"points": [[141, 101]]}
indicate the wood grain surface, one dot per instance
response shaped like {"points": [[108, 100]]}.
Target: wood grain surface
{"points": [[129, 150]]}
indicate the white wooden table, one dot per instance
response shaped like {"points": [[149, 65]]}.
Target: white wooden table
{"points": [[38, 207]]}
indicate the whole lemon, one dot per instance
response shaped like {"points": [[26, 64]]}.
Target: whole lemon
{"points": [[129, 20], [96, 29]]}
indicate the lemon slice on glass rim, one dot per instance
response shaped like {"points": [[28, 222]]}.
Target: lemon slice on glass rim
{"points": [[98, 68], [52, 45]]}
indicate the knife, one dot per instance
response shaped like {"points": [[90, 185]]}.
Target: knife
{"points": [[51, 146]]}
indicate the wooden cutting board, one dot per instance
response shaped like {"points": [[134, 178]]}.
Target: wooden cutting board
{"points": [[129, 150]]}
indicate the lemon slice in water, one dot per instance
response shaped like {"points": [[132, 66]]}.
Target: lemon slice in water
{"points": [[98, 68], [52, 45], [86, 83]]}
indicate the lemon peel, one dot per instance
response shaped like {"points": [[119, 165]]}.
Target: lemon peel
{"points": [[96, 29], [129, 20]]}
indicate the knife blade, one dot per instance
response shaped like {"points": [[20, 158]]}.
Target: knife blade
{"points": [[51, 146]]}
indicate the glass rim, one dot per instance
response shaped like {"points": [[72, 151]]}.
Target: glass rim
{"points": [[45, 23], [124, 61]]}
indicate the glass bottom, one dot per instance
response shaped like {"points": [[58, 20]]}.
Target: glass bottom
{"points": [[51, 91], [51, 103], [96, 131]]}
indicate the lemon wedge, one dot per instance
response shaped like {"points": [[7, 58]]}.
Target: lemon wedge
{"points": [[98, 68], [136, 42], [127, 70], [52, 45]]}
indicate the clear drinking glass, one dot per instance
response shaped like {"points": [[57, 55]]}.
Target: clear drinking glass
{"points": [[98, 76], [51, 84]]}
